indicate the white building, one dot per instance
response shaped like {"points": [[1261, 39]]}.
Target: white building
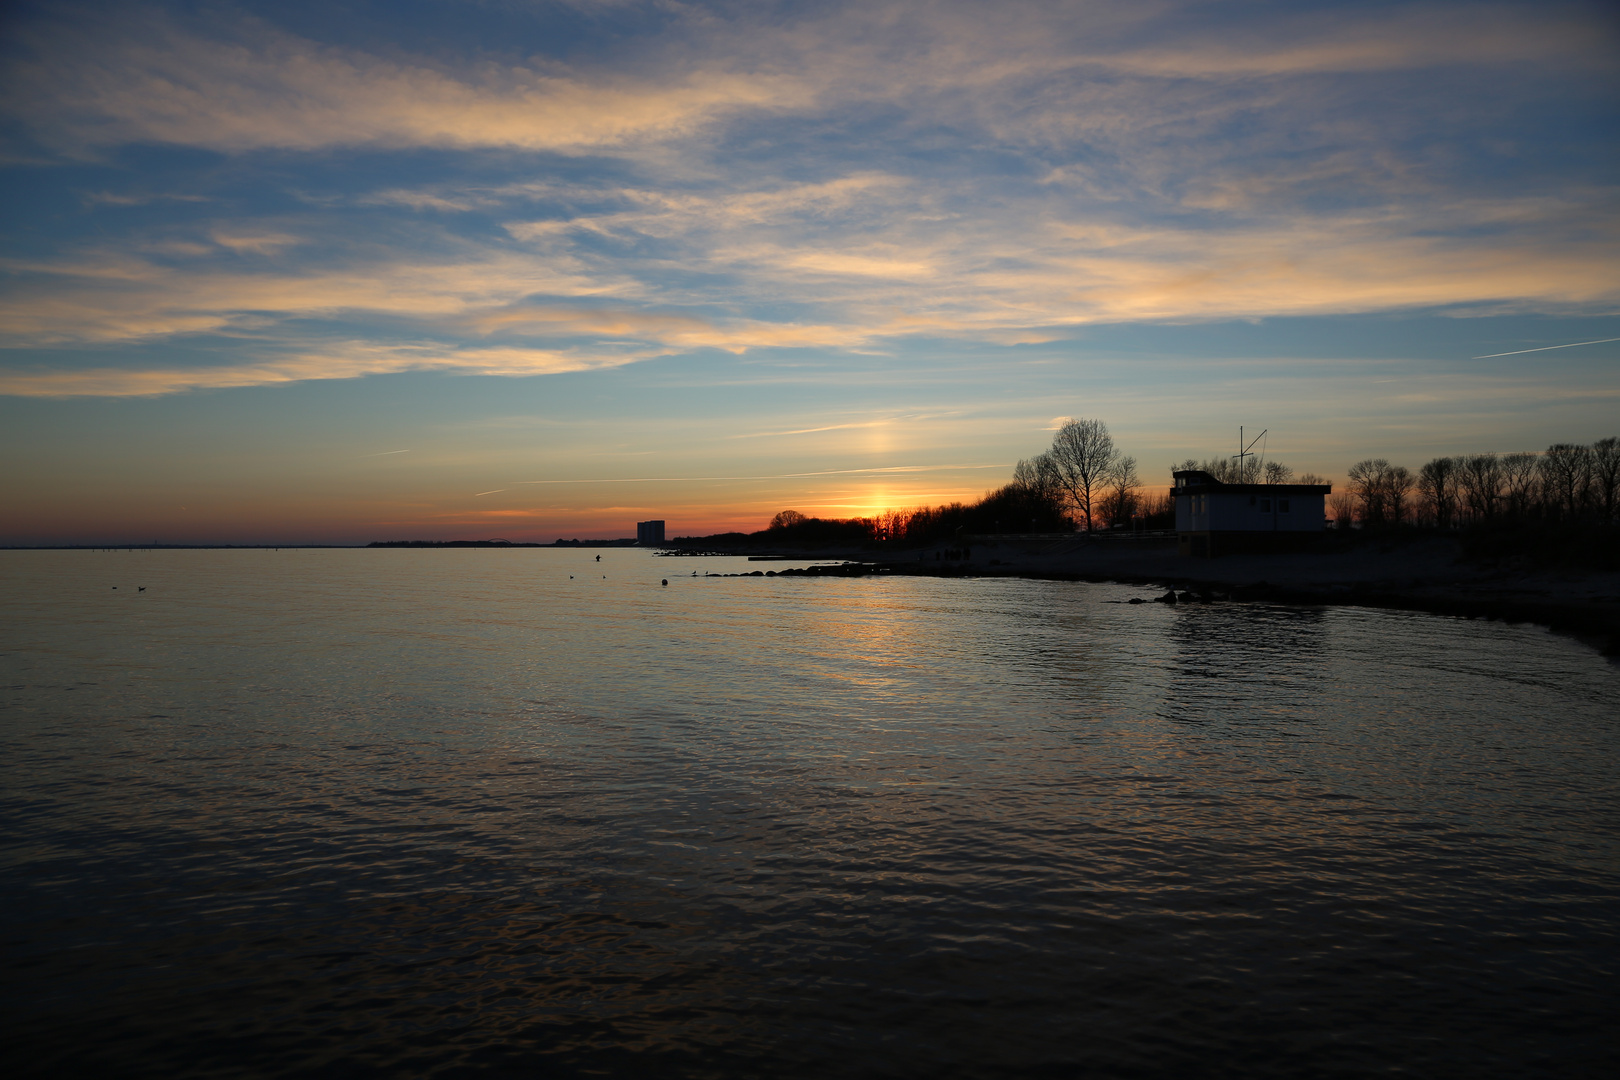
{"points": [[1213, 518]]}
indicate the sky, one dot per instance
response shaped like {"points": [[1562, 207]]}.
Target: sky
{"points": [[325, 272]]}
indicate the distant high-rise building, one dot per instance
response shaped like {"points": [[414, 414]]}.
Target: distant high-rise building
{"points": [[649, 533]]}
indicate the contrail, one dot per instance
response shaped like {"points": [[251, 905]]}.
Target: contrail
{"points": [[491, 492], [385, 453], [776, 476], [1544, 348]]}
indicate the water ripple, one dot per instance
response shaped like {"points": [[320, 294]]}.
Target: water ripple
{"points": [[386, 812]]}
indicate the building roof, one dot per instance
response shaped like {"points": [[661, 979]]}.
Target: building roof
{"points": [[1198, 482]]}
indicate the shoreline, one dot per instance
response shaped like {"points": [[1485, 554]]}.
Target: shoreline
{"points": [[1428, 574]]}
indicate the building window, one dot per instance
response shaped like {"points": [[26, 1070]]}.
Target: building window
{"points": [[1282, 506], [1265, 506]]}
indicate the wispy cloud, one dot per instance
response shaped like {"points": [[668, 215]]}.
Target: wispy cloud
{"points": [[254, 243], [156, 80], [907, 174], [343, 362], [116, 198]]}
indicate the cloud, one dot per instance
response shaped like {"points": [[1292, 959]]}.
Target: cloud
{"points": [[117, 296], [347, 361], [111, 198], [994, 279], [421, 200], [840, 181], [262, 244], [157, 81], [1029, 68]]}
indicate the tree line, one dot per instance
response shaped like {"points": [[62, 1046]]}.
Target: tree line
{"points": [[1568, 483], [1083, 481]]}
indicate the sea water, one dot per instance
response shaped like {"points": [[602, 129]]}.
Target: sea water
{"points": [[523, 812]]}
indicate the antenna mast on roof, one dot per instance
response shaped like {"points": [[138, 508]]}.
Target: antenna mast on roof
{"points": [[1243, 451]]}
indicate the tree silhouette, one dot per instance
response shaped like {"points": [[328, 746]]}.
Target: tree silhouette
{"points": [[1398, 481], [1606, 475], [1122, 484], [1479, 481], [1521, 480], [1368, 483], [1567, 471], [1437, 487], [1082, 453]]}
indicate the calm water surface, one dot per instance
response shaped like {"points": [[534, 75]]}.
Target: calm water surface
{"points": [[392, 812]]}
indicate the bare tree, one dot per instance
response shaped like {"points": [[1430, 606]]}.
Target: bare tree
{"points": [[1479, 481], [1082, 452], [1278, 473], [1520, 479], [1122, 484], [1310, 478], [786, 519], [1224, 469], [1437, 488], [1343, 508], [1606, 476], [1038, 477], [1398, 482], [1567, 473], [1036, 494], [1367, 482]]}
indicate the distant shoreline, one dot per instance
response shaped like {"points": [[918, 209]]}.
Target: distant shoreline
{"points": [[1431, 574], [179, 547], [323, 547]]}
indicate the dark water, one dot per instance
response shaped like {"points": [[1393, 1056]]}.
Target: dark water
{"points": [[353, 813]]}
